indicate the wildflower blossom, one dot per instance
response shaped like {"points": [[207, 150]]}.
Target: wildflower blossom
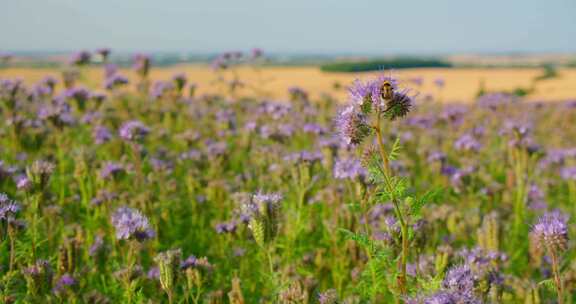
{"points": [[8, 208], [467, 142], [131, 224], [551, 231], [352, 125], [133, 131], [348, 168], [80, 58], [115, 81]]}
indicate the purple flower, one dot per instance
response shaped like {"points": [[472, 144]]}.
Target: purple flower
{"points": [[39, 173], [141, 64], [418, 80], [436, 156], [568, 173], [64, 283], [450, 297], [348, 168], [23, 183], [398, 105], [226, 227], [104, 52], [115, 80], [97, 246], [8, 208], [352, 125], [216, 148], [329, 296], [460, 279], [261, 204], [98, 97], [275, 109], [364, 93], [257, 53], [297, 93], [78, 94], [133, 131], [194, 262], [536, 198], [453, 114], [467, 142], [519, 133], [313, 128], [192, 154], [131, 224], [250, 126], [153, 273], [111, 169], [80, 58], [101, 135], [439, 82], [551, 231], [161, 89], [304, 157], [494, 100], [110, 70], [103, 196]]}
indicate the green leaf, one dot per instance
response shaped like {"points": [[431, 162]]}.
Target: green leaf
{"points": [[373, 165], [548, 284], [360, 238], [393, 155], [432, 196]]}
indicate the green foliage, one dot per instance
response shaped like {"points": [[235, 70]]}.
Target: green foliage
{"points": [[549, 72], [548, 284], [395, 151], [361, 239], [432, 196], [381, 64]]}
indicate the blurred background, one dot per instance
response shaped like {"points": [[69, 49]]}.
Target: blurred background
{"points": [[450, 50]]}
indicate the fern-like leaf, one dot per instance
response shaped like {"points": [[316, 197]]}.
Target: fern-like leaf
{"points": [[395, 152]]}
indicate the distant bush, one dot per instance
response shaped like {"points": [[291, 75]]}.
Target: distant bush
{"points": [[549, 72], [381, 64]]}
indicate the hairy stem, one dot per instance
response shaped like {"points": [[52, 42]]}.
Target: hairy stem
{"points": [[557, 278], [403, 226]]}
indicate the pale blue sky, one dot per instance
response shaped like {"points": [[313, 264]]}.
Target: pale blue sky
{"points": [[295, 26]]}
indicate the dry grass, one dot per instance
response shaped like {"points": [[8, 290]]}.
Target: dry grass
{"points": [[461, 84]]}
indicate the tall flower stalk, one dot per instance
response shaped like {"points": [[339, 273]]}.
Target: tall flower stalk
{"points": [[551, 233], [372, 103]]}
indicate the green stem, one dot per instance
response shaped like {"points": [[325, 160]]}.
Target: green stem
{"points": [[403, 226], [557, 278]]}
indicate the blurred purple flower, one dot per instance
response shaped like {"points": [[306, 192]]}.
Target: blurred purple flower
{"points": [[101, 135], [551, 231], [131, 224], [348, 168], [133, 131]]}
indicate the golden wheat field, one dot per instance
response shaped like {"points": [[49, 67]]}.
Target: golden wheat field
{"points": [[461, 85]]}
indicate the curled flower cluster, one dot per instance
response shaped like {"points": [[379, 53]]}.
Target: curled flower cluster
{"points": [[380, 96], [8, 208], [263, 212], [551, 231], [352, 125]]}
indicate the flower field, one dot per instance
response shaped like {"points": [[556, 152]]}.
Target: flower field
{"points": [[120, 187]]}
